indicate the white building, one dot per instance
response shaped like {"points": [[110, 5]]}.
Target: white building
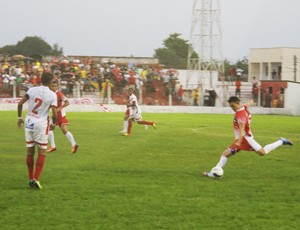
{"points": [[274, 64], [278, 72]]}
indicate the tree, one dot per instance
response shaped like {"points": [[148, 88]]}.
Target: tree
{"points": [[167, 57], [33, 45], [240, 64], [243, 64], [56, 50], [9, 50], [30, 46], [174, 54]]}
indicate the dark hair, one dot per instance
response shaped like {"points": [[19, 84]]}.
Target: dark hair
{"points": [[234, 99], [47, 78]]}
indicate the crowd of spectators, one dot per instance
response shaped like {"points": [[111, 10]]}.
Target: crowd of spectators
{"points": [[77, 77]]}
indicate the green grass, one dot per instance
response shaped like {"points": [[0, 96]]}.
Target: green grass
{"points": [[152, 179]]}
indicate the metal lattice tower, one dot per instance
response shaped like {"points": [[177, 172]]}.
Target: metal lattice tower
{"points": [[205, 40]]}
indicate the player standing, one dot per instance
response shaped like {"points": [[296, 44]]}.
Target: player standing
{"points": [[41, 99], [62, 122], [244, 139], [135, 113]]}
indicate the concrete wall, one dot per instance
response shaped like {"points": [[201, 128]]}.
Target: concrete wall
{"points": [[292, 98], [158, 109]]}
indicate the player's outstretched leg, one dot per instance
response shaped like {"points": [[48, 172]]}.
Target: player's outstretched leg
{"points": [[286, 141], [153, 124], [268, 148], [52, 142]]}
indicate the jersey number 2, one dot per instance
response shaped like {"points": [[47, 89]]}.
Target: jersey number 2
{"points": [[38, 105]]}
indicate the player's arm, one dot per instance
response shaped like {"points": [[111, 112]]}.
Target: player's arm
{"points": [[54, 114], [20, 109], [65, 104], [249, 103], [131, 105]]}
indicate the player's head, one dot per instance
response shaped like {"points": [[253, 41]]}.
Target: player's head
{"points": [[54, 86], [47, 79], [130, 91], [234, 103]]}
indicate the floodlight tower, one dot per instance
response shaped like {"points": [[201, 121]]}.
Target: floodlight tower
{"points": [[205, 41]]}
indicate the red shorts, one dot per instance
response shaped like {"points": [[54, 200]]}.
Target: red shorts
{"points": [[244, 146], [62, 121]]}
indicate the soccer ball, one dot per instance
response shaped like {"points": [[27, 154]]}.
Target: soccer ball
{"points": [[217, 172]]}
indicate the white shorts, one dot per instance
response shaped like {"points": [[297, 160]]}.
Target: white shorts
{"points": [[136, 114], [36, 133], [253, 143]]}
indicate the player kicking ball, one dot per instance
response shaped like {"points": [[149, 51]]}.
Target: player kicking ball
{"points": [[134, 113], [244, 139]]}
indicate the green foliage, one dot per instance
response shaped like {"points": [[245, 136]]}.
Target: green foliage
{"points": [[33, 45], [30, 46], [243, 64], [239, 64], [174, 54], [167, 57], [56, 50], [152, 179], [9, 50]]}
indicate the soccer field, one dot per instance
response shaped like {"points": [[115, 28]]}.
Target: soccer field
{"points": [[152, 179]]}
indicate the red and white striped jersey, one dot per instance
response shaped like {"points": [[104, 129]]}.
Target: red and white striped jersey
{"points": [[61, 98], [242, 116]]}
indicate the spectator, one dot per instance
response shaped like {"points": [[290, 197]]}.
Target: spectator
{"points": [[274, 74], [195, 97], [106, 89], [131, 81], [166, 78], [238, 85], [255, 90], [180, 93], [64, 86]]}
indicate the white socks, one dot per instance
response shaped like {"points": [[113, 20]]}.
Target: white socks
{"points": [[70, 138], [51, 138], [125, 125], [268, 148], [222, 162]]}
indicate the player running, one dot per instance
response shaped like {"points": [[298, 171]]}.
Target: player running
{"points": [[134, 113], [244, 139], [62, 122], [41, 100]]}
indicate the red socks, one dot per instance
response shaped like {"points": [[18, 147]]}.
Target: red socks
{"points": [[30, 163], [39, 166], [129, 127], [146, 123]]}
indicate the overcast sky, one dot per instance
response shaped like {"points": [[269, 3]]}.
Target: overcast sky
{"points": [[138, 27]]}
